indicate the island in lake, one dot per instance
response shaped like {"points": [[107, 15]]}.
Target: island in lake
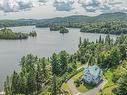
{"points": [[59, 28], [8, 34]]}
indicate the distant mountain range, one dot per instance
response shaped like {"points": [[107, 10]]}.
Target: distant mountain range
{"points": [[76, 19]]}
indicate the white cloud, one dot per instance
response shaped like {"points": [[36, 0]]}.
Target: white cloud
{"points": [[63, 5], [15, 5], [103, 5], [38, 8], [93, 5]]}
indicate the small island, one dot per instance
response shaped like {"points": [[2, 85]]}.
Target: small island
{"points": [[61, 29], [54, 27], [8, 34]]}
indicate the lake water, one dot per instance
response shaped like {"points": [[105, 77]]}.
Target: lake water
{"points": [[43, 45]]}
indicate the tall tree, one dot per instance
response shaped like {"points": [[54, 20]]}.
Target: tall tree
{"points": [[80, 41], [39, 78], [44, 69], [31, 82], [7, 86], [63, 61], [55, 64], [54, 85], [122, 85], [15, 83]]}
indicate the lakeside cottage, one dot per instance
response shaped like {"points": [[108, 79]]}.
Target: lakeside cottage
{"points": [[92, 74]]}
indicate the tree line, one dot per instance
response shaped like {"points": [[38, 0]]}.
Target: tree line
{"points": [[109, 27]]}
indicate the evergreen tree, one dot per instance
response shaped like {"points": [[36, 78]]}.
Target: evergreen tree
{"points": [[44, 70], [63, 61], [122, 88], [80, 41], [7, 86], [39, 78], [54, 85], [55, 64], [22, 83], [31, 82], [15, 83]]}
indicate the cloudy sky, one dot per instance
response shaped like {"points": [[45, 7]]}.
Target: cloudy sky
{"points": [[40, 9]]}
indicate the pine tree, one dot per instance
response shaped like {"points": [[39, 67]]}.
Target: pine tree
{"points": [[39, 77], [80, 41], [55, 64], [63, 61], [54, 85], [31, 82], [15, 83], [122, 85], [7, 86], [44, 70]]}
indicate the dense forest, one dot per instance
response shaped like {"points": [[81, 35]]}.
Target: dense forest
{"points": [[45, 76], [114, 27], [9, 34]]}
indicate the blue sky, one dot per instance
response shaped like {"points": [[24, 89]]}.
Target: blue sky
{"points": [[41, 9]]}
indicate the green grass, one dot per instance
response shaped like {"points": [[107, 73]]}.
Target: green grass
{"points": [[65, 87], [107, 90], [83, 87], [45, 92], [78, 76]]}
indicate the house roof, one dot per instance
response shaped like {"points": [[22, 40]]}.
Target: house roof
{"points": [[94, 70]]}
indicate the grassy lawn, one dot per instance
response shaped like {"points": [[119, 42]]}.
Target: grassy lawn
{"points": [[66, 88], [83, 87], [45, 93], [107, 90], [77, 76]]}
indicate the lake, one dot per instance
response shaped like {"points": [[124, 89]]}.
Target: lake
{"points": [[43, 45]]}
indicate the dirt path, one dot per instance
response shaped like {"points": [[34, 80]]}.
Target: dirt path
{"points": [[90, 92], [72, 87]]}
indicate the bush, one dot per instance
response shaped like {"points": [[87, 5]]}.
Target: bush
{"points": [[77, 82]]}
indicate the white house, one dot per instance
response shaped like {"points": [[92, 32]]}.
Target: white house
{"points": [[92, 74]]}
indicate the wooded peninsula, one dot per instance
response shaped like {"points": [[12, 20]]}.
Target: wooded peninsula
{"points": [[8, 34]]}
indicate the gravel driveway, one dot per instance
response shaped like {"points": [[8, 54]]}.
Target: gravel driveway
{"points": [[90, 92]]}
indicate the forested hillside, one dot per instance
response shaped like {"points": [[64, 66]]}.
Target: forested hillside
{"points": [[70, 21]]}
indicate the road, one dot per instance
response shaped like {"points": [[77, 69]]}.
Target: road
{"points": [[90, 92]]}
